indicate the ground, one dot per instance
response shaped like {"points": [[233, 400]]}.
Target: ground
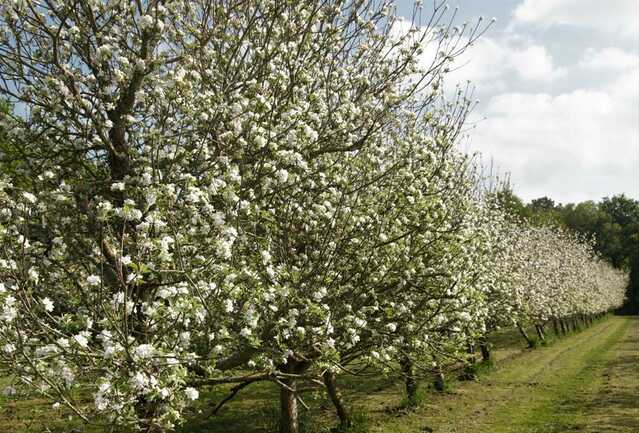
{"points": [[587, 382]]}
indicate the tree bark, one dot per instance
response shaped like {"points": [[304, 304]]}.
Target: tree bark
{"points": [[409, 379], [469, 370], [555, 326], [289, 415], [529, 340], [440, 382], [540, 332], [471, 353], [289, 420], [485, 350], [145, 409], [336, 398]]}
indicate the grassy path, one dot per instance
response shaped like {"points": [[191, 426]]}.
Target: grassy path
{"points": [[588, 383]]}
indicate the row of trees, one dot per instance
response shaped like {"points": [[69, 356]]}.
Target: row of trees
{"points": [[552, 275], [612, 223], [198, 193]]}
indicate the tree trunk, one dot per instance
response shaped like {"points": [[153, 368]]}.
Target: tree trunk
{"points": [[289, 416], [145, 410], [440, 382], [555, 326], [469, 370], [336, 398], [540, 332], [485, 349], [409, 379], [529, 340], [471, 353], [289, 421]]}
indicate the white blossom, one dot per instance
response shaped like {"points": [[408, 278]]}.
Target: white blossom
{"points": [[47, 304], [29, 197], [192, 393], [94, 280], [281, 175], [118, 186], [145, 351], [82, 340]]}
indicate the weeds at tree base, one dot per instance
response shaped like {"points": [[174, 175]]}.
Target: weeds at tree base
{"points": [[534, 343], [359, 424], [410, 404], [483, 367]]}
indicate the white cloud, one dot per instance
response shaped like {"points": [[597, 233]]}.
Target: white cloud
{"points": [[489, 61], [574, 146], [609, 58], [611, 16], [576, 138], [534, 63]]}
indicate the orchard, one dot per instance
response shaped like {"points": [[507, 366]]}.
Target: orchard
{"points": [[216, 192]]}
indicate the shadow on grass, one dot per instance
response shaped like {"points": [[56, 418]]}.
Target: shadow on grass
{"points": [[256, 408]]}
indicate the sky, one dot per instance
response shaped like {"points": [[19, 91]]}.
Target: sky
{"points": [[558, 89]]}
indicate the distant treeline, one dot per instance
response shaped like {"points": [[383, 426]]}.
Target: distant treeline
{"points": [[613, 222]]}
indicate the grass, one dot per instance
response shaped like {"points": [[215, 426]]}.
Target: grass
{"points": [[584, 382], [573, 375], [558, 388]]}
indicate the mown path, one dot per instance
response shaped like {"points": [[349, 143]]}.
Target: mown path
{"points": [[587, 382]]}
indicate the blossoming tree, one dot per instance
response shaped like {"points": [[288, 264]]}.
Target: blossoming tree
{"points": [[202, 186]]}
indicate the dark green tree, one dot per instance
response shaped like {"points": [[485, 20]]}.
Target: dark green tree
{"points": [[623, 234], [544, 211], [542, 204]]}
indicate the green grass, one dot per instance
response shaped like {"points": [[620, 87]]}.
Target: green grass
{"points": [[552, 389], [30, 414], [546, 409]]}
